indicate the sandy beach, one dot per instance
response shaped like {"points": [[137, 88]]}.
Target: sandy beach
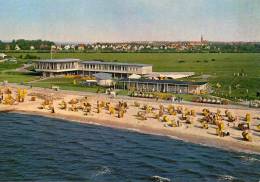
{"points": [[188, 132]]}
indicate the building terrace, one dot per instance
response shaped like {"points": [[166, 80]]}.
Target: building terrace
{"points": [[53, 67]]}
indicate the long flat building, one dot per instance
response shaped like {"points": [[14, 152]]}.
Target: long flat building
{"points": [[52, 67], [116, 68], [172, 86]]}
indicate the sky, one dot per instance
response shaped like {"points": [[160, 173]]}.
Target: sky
{"points": [[130, 20]]}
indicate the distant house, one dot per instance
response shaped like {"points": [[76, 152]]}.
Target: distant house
{"points": [[59, 48], [67, 47], [3, 56], [96, 47], [17, 48], [81, 47], [141, 47], [72, 47], [32, 48]]}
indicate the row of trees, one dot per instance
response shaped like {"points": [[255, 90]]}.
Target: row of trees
{"points": [[242, 47], [213, 47], [26, 44]]}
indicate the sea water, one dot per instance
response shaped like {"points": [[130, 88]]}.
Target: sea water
{"points": [[34, 148]]}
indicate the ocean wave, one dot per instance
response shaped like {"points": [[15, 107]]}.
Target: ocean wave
{"points": [[249, 159], [190, 172], [104, 170], [160, 179], [176, 138], [226, 178], [161, 158]]}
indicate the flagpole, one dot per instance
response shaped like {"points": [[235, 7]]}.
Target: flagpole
{"points": [[51, 52]]}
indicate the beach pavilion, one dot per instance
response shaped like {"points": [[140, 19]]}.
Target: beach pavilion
{"points": [[172, 86]]}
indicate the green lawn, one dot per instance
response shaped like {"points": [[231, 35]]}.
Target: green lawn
{"points": [[66, 84], [219, 66], [11, 65], [7, 72], [17, 77]]}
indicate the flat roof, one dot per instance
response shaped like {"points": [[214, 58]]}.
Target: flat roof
{"points": [[58, 60], [176, 82], [103, 76], [115, 63], [170, 73]]}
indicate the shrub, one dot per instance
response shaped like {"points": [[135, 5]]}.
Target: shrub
{"points": [[28, 56]]}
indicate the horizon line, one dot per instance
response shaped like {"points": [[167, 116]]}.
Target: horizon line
{"points": [[132, 41]]}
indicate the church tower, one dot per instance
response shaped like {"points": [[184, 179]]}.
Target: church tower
{"points": [[201, 39]]}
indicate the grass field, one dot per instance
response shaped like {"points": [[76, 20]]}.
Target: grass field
{"points": [[4, 66], [66, 84], [7, 72], [219, 68], [13, 77]]}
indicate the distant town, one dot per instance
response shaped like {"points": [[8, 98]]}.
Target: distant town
{"points": [[199, 46]]}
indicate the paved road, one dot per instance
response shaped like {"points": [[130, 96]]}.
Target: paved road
{"points": [[23, 68]]}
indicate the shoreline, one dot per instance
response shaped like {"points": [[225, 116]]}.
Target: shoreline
{"points": [[217, 143], [193, 133]]}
